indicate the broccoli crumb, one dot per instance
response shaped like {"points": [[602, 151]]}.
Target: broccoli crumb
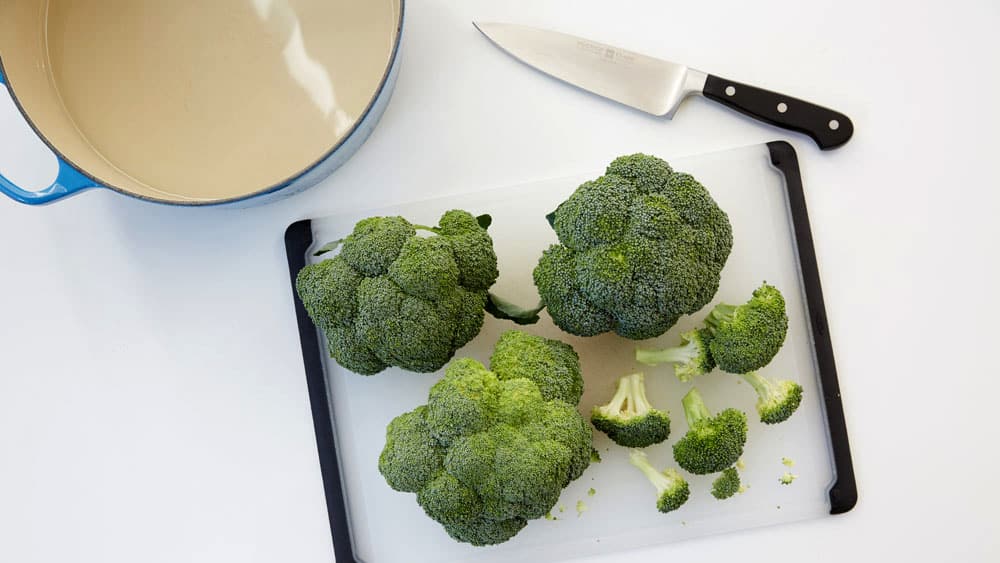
{"points": [[562, 508], [787, 462], [595, 456], [743, 489], [740, 465], [549, 516], [591, 492], [581, 507], [787, 478]]}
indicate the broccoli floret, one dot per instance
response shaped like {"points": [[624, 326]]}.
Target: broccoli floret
{"points": [[552, 365], [712, 443], [726, 484], [490, 450], [777, 399], [640, 246], [392, 298], [629, 419], [787, 478], [690, 359], [672, 490], [747, 337]]}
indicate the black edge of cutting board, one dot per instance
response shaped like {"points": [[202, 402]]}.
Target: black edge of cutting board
{"points": [[843, 492], [298, 239]]}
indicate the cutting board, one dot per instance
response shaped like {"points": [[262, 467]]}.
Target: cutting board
{"points": [[760, 188]]}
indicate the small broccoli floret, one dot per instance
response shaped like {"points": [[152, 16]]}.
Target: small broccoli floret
{"points": [[489, 451], [672, 490], [787, 462], [639, 247], [690, 359], [787, 478], [712, 443], [392, 298], [747, 337], [629, 419], [726, 484], [777, 399]]}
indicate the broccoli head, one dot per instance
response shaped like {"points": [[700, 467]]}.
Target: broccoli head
{"points": [[690, 359], [639, 247], [629, 419], [726, 484], [671, 489], [747, 337], [777, 399], [393, 298], [712, 443], [493, 449]]}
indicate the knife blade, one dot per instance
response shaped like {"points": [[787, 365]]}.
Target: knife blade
{"points": [[657, 86]]}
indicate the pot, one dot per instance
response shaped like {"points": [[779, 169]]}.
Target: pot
{"points": [[188, 102]]}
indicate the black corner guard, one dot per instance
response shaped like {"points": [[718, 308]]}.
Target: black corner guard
{"points": [[298, 239], [844, 491]]}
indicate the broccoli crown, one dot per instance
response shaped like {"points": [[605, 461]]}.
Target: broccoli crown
{"points": [[747, 337], [392, 298], [671, 489], [777, 399], [712, 443], [640, 246], [726, 484], [629, 419], [488, 451], [690, 359]]}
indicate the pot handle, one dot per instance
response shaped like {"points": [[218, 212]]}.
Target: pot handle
{"points": [[68, 181]]}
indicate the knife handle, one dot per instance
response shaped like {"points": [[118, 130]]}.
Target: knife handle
{"points": [[830, 129]]}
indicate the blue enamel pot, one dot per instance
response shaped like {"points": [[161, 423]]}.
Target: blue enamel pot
{"points": [[197, 103]]}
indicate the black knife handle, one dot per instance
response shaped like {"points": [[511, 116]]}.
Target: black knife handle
{"points": [[830, 129]]}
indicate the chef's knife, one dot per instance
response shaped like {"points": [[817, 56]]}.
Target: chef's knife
{"points": [[657, 86]]}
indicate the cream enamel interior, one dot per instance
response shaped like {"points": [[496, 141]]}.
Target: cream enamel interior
{"points": [[188, 100]]}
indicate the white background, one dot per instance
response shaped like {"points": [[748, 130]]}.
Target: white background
{"points": [[152, 401]]}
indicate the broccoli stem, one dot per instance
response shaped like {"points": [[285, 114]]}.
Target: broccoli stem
{"points": [[694, 407], [723, 312], [503, 309], [675, 355], [761, 385], [638, 403], [657, 478], [630, 397], [328, 247]]}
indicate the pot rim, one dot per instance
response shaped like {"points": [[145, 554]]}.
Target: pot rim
{"points": [[98, 183]]}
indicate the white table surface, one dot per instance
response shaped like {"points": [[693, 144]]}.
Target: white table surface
{"points": [[152, 401]]}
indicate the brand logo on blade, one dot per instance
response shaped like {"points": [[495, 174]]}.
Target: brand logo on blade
{"points": [[605, 52]]}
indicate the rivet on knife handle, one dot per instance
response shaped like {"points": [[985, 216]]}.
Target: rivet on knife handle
{"points": [[830, 129]]}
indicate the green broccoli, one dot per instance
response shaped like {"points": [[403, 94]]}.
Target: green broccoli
{"points": [[493, 449], [672, 490], [787, 478], [640, 246], [712, 443], [747, 337], [726, 484], [690, 359], [629, 419], [777, 399], [393, 298]]}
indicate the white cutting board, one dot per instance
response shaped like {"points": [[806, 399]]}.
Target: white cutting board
{"points": [[387, 526]]}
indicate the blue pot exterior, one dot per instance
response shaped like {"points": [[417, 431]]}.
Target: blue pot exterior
{"points": [[72, 180]]}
